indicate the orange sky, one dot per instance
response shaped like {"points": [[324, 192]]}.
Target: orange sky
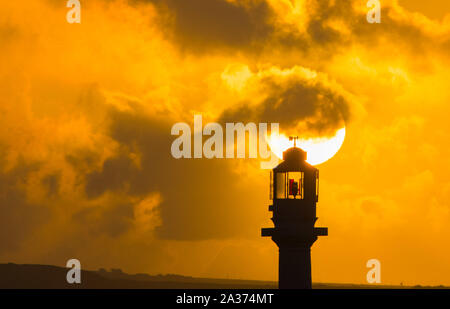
{"points": [[86, 111], [436, 9]]}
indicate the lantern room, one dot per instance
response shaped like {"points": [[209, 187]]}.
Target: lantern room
{"points": [[294, 178]]}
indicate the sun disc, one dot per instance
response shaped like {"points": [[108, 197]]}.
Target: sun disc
{"points": [[319, 150]]}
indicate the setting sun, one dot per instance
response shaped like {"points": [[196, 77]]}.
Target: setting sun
{"points": [[319, 150]]}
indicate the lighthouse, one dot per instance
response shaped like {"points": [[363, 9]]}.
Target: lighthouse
{"points": [[294, 190]]}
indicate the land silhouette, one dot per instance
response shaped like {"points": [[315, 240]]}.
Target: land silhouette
{"points": [[31, 276]]}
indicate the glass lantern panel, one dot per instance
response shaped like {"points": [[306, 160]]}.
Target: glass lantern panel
{"points": [[281, 186]]}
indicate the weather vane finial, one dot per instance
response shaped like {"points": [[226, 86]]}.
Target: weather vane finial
{"points": [[294, 138]]}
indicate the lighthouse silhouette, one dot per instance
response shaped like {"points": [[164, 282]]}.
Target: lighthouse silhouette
{"points": [[294, 190]]}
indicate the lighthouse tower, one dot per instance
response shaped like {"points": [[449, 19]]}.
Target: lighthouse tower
{"points": [[294, 189]]}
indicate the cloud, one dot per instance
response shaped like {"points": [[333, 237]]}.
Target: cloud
{"points": [[190, 205], [312, 28], [297, 98], [19, 216], [113, 220], [206, 25]]}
